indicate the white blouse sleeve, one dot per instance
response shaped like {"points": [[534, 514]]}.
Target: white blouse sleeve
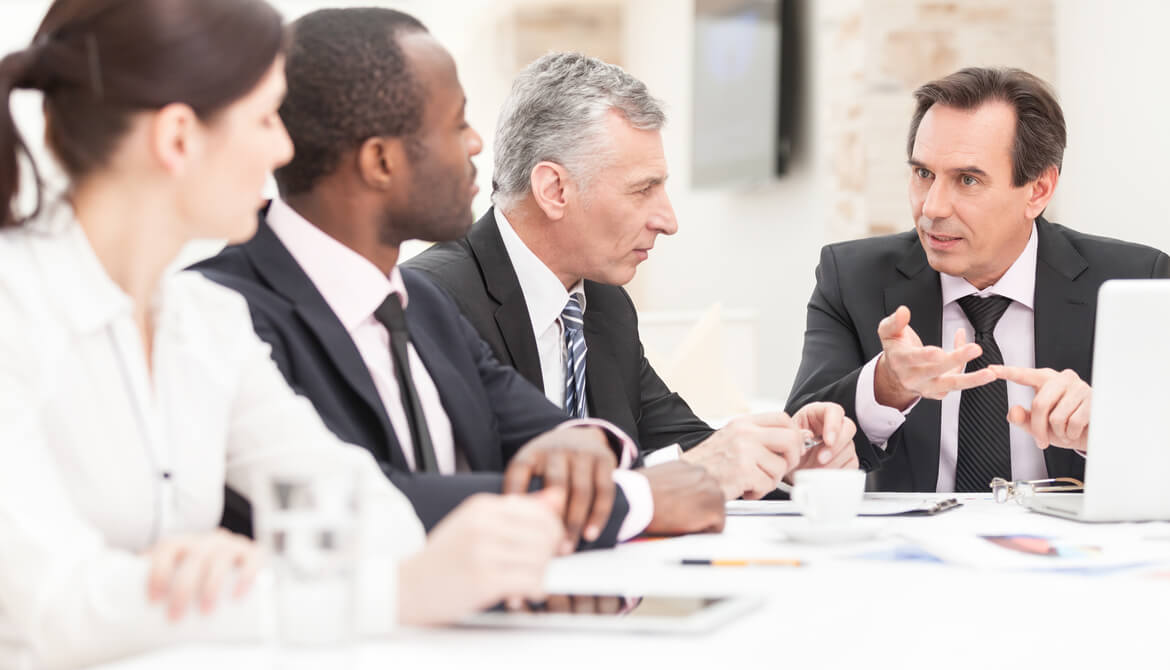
{"points": [[68, 597]]}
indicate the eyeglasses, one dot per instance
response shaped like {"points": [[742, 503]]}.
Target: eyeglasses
{"points": [[1003, 490]]}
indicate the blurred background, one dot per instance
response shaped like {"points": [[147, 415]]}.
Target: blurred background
{"points": [[787, 131]]}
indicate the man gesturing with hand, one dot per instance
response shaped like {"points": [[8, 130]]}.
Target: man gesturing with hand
{"points": [[909, 370], [943, 343]]}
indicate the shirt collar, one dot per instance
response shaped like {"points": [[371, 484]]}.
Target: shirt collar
{"points": [[544, 294], [1018, 283], [352, 286], [88, 297]]}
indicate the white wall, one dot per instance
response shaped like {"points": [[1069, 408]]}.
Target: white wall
{"points": [[755, 248], [1115, 91], [752, 248]]}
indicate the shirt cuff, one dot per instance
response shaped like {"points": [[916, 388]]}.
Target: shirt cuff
{"points": [[663, 455], [627, 450], [877, 421], [636, 488]]}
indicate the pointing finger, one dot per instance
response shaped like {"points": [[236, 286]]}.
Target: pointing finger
{"points": [[1026, 376], [892, 325]]}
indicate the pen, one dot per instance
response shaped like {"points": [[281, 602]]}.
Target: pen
{"points": [[810, 442], [743, 562]]}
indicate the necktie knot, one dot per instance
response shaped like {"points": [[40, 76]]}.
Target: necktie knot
{"points": [[391, 315], [984, 313], [572, 316]]}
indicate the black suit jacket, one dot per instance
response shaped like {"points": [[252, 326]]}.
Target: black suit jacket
{"points": [[860, 282], [493, 410], [621, 386]]}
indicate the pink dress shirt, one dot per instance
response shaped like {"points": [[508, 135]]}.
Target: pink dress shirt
{"points": [[353, 288], [1015, 334]]}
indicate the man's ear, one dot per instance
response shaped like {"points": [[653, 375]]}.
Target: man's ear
{"points": [[550, 186], [1042, 191], [381, 161], [174, 137]]}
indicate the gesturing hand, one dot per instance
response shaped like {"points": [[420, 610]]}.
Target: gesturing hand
{"points": [[1060, 410], [908, 370]]}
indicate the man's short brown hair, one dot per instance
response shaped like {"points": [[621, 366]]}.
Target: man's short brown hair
{"points": [[1040, 131]]}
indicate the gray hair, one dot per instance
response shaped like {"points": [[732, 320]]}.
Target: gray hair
{"points": [[556, 112]]}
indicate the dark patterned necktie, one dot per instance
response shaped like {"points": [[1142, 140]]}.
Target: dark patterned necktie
{"points": [[390, 315], [984, 444]]}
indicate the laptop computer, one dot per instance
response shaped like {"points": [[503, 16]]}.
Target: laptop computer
{"points": [[1127, 473]]}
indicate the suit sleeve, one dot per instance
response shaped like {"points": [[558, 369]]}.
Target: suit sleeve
{"points": [[832, 358], [433, 496], [1161, 267], [522, 412]]}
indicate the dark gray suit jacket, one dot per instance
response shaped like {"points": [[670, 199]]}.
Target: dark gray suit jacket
{"points": [[621, 386], [860, 282], [493, 410]]}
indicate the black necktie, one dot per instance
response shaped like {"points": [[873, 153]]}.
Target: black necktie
{"points": [[390, 314], [985, 450]]}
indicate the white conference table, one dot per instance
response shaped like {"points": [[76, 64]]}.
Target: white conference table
{"points": [[836, 611]]}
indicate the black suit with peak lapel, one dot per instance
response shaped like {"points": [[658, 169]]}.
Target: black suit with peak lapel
{"points": [[493, 410], [621, 386], [860, 282]]}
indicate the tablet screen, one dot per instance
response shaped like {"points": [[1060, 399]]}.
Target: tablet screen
{"points": [[665, 614], [671, 607]]}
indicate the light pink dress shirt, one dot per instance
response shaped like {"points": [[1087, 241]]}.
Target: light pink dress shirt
{"points": [[1015, 335], [353, 288]]}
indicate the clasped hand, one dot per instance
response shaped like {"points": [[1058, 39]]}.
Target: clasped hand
{"points": [[579, 461]]}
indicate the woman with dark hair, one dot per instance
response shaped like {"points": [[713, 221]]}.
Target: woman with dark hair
{"points": [[129, 397]]}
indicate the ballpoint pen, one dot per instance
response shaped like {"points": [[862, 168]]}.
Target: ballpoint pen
{"points": [[810, 442]]}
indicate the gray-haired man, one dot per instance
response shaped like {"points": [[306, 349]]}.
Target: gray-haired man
{"points": [[580, 194]]}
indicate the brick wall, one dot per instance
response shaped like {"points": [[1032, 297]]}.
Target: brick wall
{"points": [[875, 53]]}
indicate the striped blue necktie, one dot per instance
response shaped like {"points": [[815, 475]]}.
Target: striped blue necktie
{"points": [[573, 319]]}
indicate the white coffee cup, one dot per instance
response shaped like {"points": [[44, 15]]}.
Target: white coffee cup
{"points": [[829, 497]]}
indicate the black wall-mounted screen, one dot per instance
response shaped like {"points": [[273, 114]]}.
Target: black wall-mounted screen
{"points": [[741, 133]]}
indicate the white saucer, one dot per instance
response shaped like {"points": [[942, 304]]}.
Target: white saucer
{"points": [[855, 532]]}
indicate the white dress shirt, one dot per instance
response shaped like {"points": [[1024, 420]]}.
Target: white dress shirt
{"points": [[354, 288], [546, 298], [105, 455], [1015, 335]]}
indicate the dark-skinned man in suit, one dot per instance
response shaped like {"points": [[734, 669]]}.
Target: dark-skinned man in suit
{"points": [[383, 155]]}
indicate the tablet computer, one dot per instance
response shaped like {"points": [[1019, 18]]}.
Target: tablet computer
{"points": [[649, 614]]}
